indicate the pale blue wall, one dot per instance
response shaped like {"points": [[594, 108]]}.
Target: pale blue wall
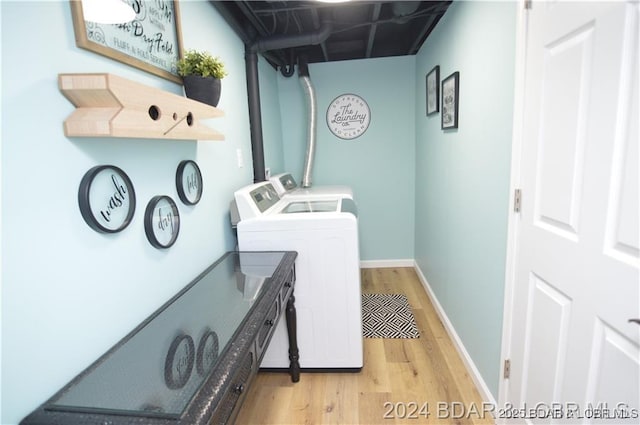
{"points": [[378, 165], [69, 293], [462, 176], [271, 122]]}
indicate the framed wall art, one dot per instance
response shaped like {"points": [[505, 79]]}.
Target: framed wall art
{"points": [[433, 91], [106, 199], [189, 182], [151, 42], [161, 221], [450, 101], [348, 116]]}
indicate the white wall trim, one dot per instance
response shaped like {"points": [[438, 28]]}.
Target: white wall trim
{"points": [[514, 218], [374, 264], [483, 389]]}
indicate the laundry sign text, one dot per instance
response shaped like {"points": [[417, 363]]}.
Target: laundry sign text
{"points": [[348, 116]]}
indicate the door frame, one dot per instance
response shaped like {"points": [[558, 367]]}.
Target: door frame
{"points": [[514, 219], [513, 224]]}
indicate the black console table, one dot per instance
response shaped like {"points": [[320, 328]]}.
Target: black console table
{"points": [[191, 361]]}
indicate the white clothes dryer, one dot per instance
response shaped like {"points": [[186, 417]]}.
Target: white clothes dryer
{"points": [[286, 185], [324, 232]]}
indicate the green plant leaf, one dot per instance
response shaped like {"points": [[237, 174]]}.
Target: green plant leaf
{"points": [[202, 64]]}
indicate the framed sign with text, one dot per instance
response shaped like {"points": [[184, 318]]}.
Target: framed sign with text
{"points": [[151, 42], [189, 182], [162, 221], [348, 116], [106, 198]]}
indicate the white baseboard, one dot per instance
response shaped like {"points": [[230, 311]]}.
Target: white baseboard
{"points": [[372, 264], [485, 393]]}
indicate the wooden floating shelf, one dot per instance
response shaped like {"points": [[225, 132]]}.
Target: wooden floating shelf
{"points": [[112, 106]]}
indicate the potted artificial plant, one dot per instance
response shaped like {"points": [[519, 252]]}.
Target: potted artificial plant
{"points": [[201, 74]]}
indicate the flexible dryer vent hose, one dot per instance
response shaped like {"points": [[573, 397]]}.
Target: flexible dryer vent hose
{"points": [[310, 96]]}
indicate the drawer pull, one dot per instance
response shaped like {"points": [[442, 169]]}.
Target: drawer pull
{"points": [[239, 389], [269, 322]]}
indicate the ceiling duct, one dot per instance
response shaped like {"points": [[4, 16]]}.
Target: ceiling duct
{"points": [[277, 42], [253, 86]]}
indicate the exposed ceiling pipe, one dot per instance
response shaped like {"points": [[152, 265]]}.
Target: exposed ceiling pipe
{"points": [[315, 17], [372, 31], [246, 34], [312, 113], [289, 69], [295, 40], [253, 86], [255, 114]]}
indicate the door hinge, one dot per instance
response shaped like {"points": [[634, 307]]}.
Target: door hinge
{"points": [[517, 200], [506, 373], [528, 4]]}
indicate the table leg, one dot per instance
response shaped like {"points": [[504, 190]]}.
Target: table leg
{"points": [[294, 365]]}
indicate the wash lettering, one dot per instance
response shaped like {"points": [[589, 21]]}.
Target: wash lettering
{"points": [[116, 200]]}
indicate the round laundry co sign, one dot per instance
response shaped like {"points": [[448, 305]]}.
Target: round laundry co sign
{"points": [[348, 116]]}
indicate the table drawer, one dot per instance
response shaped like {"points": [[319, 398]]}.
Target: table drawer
{"points": [[268, 327], [287, 288], [229, 406]]}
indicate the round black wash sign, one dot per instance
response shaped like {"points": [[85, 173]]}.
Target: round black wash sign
{"points": [[106, 198]]}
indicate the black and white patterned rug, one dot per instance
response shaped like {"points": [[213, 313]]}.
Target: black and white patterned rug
{"points": [[387, 316]]}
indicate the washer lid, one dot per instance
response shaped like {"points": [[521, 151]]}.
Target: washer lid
{"points": [[310, 207]]}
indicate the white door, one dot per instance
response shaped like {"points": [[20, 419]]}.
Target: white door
{"points": [[576, 272]]}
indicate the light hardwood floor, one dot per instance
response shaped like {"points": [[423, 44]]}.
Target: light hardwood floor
{"points": [[403, 381]]}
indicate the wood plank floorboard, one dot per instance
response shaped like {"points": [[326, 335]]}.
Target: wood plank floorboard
{"points": [[403, 381]]}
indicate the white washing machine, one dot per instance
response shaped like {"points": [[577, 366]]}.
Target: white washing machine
{"points": [[324, 232], [286, 185]]}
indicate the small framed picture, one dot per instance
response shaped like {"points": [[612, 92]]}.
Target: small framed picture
{"points": [[189, 182], [433, 90], [161, 221], [106, 199], [450, 100]]}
